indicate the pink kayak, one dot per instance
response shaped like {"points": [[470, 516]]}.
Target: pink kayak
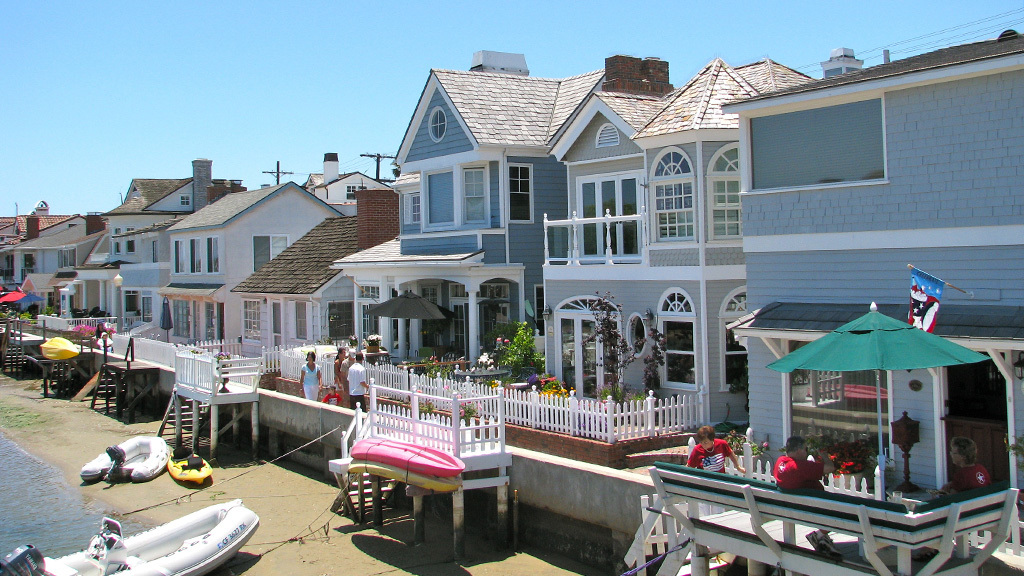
{"points": [[409, 457]]}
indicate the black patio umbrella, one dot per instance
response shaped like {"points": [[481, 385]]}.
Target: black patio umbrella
{"points": [[166, 323], [412, 306]]}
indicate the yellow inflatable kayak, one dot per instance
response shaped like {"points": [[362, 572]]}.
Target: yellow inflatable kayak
{"points": [[59, 349], [435, 483], [187, 467]]}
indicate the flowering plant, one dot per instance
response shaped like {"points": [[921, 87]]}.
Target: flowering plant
{"points": [[222, 356], [426, 407], [468, 411], [84, 330], [736, 441], [484, 362], [353, 341], [373, 340], [849, 456]]}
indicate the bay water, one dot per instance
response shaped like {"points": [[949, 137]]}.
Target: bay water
{"points": [[38, 507]]}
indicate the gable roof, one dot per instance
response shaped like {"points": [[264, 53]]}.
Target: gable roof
{"points": [[698, 104], [150, 190], [45, 222], [72, 235], [635, 109], [965, 53], [232, 205], [305, 266], [514, 110]]}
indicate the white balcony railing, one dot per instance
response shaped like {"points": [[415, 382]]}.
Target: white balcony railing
{"points": [[604, 239]]}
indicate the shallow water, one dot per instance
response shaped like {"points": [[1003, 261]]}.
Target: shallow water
{"points": [[38, 507]]}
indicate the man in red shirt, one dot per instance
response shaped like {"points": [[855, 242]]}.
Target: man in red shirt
{"points": [[794, 471], [969, 474]]}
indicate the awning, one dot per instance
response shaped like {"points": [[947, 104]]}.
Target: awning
{"points": [[956, 321], [184, 289]]}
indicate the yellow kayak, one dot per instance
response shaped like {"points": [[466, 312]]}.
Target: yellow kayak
{"points": [[427, 481], [59, 349], [187, 467]]}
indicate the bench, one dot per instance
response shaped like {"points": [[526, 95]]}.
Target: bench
{"points": [[877, 525]]}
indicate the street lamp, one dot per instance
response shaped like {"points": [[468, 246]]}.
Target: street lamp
{"points": [[118, 280]]}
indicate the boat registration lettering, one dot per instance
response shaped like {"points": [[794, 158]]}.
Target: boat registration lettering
{"points": [[234, 534]]}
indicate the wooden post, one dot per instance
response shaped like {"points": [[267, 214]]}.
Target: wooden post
{"points": [[177, 420], [195, 426], [378, 502], [255, 429], [459, 523], [214, 429], [699, 565], [419, 529], [502, 493]]}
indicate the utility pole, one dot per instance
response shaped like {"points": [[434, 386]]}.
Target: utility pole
{"points": [[277, 173], [378, 158]]}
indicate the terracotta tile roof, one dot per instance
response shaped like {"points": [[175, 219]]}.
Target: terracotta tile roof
{"points": [[305, 266], [44, 221], [391, 252], [635, 109], [514, 110], [952, 56]]}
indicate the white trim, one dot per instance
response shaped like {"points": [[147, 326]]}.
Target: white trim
{"points": [[508, 188], [798, 101], [430, 124], [687, 137], [433, 84], [724, 319], [425, 224], [712, 177], [597, 160], [642, 272], [594, 106], [485, 219], [609, 133], [453, 233], [1009, 235], [810, 187]]}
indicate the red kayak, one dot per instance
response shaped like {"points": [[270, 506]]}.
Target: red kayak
{"points": [[409, 457]]}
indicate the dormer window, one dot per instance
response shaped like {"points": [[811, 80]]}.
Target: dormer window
{"points": [[186, 200], [438, 124], [607, 136]]}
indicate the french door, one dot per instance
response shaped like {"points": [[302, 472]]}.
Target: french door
{"points": [[616, 196], [579, 359]]}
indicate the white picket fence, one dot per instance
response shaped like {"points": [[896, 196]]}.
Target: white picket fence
{"points": [[602, 420], [165, 353], [201, 371], [65, 324]]}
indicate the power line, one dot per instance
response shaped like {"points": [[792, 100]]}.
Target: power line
{"points": [[278, 172], [378, 158]]}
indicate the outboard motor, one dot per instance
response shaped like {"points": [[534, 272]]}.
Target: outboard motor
{"points": [[108, 549], [116, 472], [24, 561]]}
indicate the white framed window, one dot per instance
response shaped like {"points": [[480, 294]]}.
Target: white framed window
{"points": [[67, 257], [185, 200], [350, 191], [678, 323], [212, 255], [457, 291], [673, 196], [369, 295], [734, 351], [251, 329], [636, 333], [520, 193], [301, 332], [155, 256], [614, 194], [724, 182], [196, 252], [438, 124], [431, 293], [412, 209], [265, 248], [116, 243], [607, 136], [474, 191], [180, 257], [129, 243]]}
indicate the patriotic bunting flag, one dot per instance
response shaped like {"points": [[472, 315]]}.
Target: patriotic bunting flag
{"points": [[925, 292]]}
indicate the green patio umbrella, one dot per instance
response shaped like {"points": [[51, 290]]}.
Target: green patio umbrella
{"points": [[876, 342]]}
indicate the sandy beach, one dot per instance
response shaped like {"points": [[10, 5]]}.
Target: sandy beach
{"points": [[298, 534]]}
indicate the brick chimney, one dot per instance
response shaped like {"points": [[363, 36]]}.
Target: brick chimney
{"points": [[222, 188], [202, 177], [377, 213], [330, 167], [94, 223], [635, 76], [31, 226]]}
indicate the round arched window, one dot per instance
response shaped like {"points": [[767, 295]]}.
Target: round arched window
{"points": [[637, 333], [438, 124]]}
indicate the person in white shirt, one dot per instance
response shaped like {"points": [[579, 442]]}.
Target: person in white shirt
{"points": [[357, 387]]}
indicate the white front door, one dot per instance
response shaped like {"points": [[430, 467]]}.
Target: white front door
{"points": [[578, 359]]}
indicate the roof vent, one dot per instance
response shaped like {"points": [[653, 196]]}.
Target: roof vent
{"points": [[500, 62], [1010, 34]]}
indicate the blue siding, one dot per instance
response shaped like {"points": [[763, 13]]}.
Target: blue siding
{"points": [[495, 195], [440, 245], [455, 139], [955, 158], [494, 245], [409, 228], [440, 198], [527, 240]]}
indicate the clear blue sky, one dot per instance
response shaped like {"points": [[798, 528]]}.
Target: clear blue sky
{"points": [[97, 93]]}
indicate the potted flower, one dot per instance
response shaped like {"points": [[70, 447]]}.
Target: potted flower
{"points": [[353, 341], [373, 342]]}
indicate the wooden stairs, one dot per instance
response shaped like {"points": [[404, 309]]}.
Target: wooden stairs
{"points": [[188, 424], [353, 501]]}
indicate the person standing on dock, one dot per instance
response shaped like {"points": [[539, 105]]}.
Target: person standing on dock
{"points": [[710, 452], [312, 381], [357, 387], [341, 366]]}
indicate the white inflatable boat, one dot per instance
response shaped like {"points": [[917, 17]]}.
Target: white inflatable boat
{"points": [[189, 546], [140, 459]]}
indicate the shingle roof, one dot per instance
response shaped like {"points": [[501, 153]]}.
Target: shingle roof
{"points": [[152, 227], [407, 179], [953, 320], [150, 190], [72, 235], [511, 109], [226, 208], [767, 76], [305, 266], [945, 57], [391, 252], [635, 109]]}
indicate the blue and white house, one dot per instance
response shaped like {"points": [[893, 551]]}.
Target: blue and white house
{"points": [[477, 179], [847, 180], [654, 219]]}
